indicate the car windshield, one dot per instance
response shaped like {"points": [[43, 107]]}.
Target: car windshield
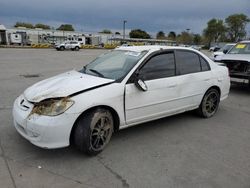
{"points": [[240, 48], [113, 65], [226, 47]]}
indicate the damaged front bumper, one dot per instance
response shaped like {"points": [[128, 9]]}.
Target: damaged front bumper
{"points": [[43, 131]]}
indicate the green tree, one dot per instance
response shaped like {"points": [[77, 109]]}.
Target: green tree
{"points": [[24, 24], [160, 35], [117, 33], [215, 28], [66, 27], [172, 35], [185, 38], [197, 39], [138, 33], [236, 25], [43, 26], [106, 31]]}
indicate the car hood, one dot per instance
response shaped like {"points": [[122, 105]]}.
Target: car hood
{"points": [[239, 57], [218, 53], [63, 85]]}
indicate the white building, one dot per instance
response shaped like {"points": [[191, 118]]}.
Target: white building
{"points": [[26, 36]]}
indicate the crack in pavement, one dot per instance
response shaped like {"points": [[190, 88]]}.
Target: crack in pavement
{"points": [[5, 107], [7, 165], [51, 172], [118, 176]]}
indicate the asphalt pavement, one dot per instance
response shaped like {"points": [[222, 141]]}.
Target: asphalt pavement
{"points": [[179, 151]]}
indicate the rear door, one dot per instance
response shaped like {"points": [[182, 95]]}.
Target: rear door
{"points": [[194, 77]]}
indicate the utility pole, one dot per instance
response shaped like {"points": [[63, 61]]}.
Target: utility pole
{"points": [[124, 23]]}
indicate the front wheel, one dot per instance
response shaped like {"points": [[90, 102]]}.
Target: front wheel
{"points": [[62, 48], [209, 104], [77, 48], [94, 130]]}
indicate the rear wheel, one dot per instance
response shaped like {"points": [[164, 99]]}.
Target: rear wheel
{"points": [[94, 130], [209, 104], [77, 48]]}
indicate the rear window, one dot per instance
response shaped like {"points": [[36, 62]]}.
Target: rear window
{"points": [[188, 62]]}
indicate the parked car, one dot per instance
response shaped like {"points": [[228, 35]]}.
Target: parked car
{"points": [[196, 47], [238, 62], [69, 45], [214, 48], [125, 87], [218, 54]]}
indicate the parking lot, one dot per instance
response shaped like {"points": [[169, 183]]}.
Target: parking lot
{"points": [[180, 151]]}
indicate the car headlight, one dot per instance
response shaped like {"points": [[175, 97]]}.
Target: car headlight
{"points": [[52, 107]]}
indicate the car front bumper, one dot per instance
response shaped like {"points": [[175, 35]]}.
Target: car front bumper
{"points": [[43, 131]]}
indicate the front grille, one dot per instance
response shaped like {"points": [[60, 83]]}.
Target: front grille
{"points": [[22, 103], [25, 104], [237, 66]]}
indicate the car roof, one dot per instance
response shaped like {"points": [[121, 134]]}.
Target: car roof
{"points": [[152, 48], [245, 41]]}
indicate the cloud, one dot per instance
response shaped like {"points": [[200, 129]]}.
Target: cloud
{"points": [[152, 16]]}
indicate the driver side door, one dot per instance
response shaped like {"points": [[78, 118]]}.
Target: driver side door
{"points": [[161, 97]]}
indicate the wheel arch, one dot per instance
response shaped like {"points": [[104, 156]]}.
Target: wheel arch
{"points": [[113, 112], [214, 87]]}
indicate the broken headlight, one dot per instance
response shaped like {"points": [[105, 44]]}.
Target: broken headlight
{"points": [[52, 107]]}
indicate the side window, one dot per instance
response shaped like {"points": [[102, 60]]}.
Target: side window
{"points": [[159, 66], [204, 64], [188, 62]]}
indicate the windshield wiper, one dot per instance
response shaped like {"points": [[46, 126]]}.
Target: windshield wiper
{"points": [[96, 72]]}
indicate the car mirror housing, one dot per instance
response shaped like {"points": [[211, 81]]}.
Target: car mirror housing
{"points": [[141, 85]]}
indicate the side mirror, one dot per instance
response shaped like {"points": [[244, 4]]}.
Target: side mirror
{"points": [[140, 84], [225, 51]]}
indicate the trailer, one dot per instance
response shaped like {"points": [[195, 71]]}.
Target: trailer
{"points": [[15, 38]]}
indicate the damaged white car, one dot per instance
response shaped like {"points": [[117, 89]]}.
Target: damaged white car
{"points": [[125, 87]]}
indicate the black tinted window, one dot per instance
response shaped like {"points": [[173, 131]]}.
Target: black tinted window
{"points": [[204, 65], [188, 62], [159, 66]]}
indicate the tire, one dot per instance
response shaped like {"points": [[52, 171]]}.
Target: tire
{"points": [[62, 48], [209, 104], [93, 131], [77, 48]]}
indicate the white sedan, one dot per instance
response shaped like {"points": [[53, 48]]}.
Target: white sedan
{"points": [[125, 87]]}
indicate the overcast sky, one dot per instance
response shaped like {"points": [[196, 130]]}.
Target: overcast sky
{"points": [[96, 15]]}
